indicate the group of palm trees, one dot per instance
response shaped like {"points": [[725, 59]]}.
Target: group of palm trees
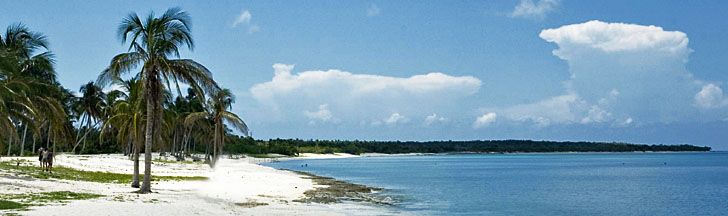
{"points": [[145, 111]]}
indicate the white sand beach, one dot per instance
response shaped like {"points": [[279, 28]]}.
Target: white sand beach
{"points": [[232, 181]]}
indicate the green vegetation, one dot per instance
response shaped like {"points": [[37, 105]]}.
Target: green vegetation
{"points": [[47, 197], [66, 173], [22, 201], [292, 147], [7, 204]]}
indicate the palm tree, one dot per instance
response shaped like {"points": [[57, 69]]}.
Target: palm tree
{"points": [[154, 48], [219, 104], [128, 121], [27, 83], [90, 108]]}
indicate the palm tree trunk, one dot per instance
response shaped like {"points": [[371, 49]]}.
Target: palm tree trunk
{"points": [[48, 139], [135, 175], [34, 139], [10, 144], [22, 143], [83, 138], [148, 138], [172, 150], [78, 134], [88, 129]]}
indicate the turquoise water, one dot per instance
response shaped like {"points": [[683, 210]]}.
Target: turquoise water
{"points": [[541, 184]]}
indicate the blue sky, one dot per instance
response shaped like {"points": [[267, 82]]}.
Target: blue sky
{"points": [[635, 71]]}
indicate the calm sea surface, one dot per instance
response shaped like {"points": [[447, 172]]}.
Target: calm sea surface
{"points": [[541, 184]]}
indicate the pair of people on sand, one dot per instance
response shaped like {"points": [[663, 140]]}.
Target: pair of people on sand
{"points": [[46, 159]]}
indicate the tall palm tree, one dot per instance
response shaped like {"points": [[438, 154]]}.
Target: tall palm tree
{"points": [[154, 49], [219, 104]]}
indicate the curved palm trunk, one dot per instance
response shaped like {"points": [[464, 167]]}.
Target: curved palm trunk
{"points": [[88, 129]]}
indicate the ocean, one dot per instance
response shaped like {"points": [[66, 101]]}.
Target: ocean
{"points": [[540, 184]]}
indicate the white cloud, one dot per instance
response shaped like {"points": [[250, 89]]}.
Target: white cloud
{"points": [[562, 109], [360, 97], [485, 120], [531, 9], [710, 96], [615, 37], [336, 83], [619, 71], [434, 118], [624, 123], [244, 18], [323, 114], [373, 10], [395, 118]]}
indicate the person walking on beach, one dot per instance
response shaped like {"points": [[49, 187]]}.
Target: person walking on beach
{"points": [[40, 157], [48, 160]]}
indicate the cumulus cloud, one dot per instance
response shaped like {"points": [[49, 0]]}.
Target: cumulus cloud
{"points": [[560, 110], [373, 10], [531, 9], [615, 37], [710, 96], [485, 120], [362, 97], [244, 18], [619, 72], [434, 118]]}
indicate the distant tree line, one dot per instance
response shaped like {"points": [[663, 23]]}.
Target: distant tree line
{"points": [[248, 145]]}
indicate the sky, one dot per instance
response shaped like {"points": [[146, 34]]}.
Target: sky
{"points": [[617, 71]]}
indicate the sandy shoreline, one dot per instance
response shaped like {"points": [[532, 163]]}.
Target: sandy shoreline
{"points": [[232, 186]]}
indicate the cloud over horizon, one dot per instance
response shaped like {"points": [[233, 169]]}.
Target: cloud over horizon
{"points": [[357, 97], [620, 73]]}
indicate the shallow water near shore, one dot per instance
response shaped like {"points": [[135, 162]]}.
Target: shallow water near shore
{"points": [[540, 184]]}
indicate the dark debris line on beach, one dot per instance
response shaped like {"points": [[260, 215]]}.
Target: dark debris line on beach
{"points": [[337, 191]]}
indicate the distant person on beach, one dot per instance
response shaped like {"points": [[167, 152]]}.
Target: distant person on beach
{"points": [[48, 160], [40, 157]]}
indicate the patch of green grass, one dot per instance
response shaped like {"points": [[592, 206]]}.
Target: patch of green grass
{"points": [[66, 173], [22, 201], [46, 197], [7, 204]]}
